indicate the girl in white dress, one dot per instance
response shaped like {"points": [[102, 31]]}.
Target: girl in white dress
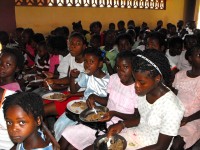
{"points": [[160, 111]]}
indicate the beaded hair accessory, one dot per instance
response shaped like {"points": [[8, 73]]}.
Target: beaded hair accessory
{"points": [[149, 61]]}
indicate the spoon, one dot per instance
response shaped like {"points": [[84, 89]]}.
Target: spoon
{"points": [[95, 111], [50, 89]]}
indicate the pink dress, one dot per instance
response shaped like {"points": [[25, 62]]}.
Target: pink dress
{"points": [[32, 52], [121, 99], [54, 60], [189, 93], [12, 86]]}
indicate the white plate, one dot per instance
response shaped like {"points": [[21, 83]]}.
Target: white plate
{"points": [[76, 110], [27, 76], [47, 96]]}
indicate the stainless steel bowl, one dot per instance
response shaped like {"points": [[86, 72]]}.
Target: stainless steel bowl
{"points": [[101, 142], [89, 111]]}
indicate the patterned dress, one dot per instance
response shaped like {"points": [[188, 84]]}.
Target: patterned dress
{"points": [[163, 116], [189, 93]]}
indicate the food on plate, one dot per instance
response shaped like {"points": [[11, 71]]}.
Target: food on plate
{"points": [[116, 145], [94, 116], [57, 96], [82, 105]]}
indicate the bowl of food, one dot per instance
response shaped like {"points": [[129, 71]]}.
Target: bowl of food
{"points": [[117, 142], [93, 115]]}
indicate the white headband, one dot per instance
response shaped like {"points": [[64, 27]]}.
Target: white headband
{"points": [[149, 61]]}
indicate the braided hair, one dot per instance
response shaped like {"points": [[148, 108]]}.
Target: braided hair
{"points": [[159, 59], [31, 103]]}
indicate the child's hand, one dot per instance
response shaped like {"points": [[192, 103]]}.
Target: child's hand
{"points": [[74, 73], [184, 121], [106, 60], [107, 117], [91, 101], [48, 74], [114, 129]]}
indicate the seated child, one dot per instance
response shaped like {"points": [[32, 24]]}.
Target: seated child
{"points": [[74, 60], [43, 61], [5, 142], [124, 42], [23, 113], [11, 63], [159, 110], [94, 80], [187, 84], [121, 103]]}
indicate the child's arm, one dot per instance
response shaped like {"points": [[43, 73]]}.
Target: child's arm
{"points": [[55, 144], [108, 116], [193, 117], [94, 98], [74, 87]]}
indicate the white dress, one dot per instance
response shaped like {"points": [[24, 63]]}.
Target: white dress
{"points": [[163, 116], [93, 85], [68, 63]]}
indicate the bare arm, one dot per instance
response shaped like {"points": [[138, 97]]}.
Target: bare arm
{"points": [[162, 144], [94, 98]]}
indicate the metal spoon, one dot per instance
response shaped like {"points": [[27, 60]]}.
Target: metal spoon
{"points": [[50, 89]]}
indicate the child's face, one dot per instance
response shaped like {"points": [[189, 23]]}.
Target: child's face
{"points": [[76, 46], [152, 44], [144, 84], [177, 49], [189, 43], [195, 59], [25, 38], [7, 65], [124, 45], [124, 71], [95, 43], [20, 125], [41, 51], [110, 38], [92, 64]]}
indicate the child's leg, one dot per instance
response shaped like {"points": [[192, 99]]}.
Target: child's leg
{"points": [[178, 143]]}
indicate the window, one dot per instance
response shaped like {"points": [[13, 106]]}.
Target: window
{"points": [[137, 4]]}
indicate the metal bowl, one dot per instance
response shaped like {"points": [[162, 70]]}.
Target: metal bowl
{"points": [[101, 142], [89, 111]]}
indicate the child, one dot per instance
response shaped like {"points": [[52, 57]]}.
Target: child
{"points": [[11, 63], [121, 102], [189, 42], [124, 42], [95, 41], [187, 84], [43, 61], [23, 113], [57, 48], [94, 80], [159, 110], [28, 49], [74, 60], [111, 52], [175, 49], [5, 142]]}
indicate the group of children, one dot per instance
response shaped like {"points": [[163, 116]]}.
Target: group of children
{"points": [[143, 78]]}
